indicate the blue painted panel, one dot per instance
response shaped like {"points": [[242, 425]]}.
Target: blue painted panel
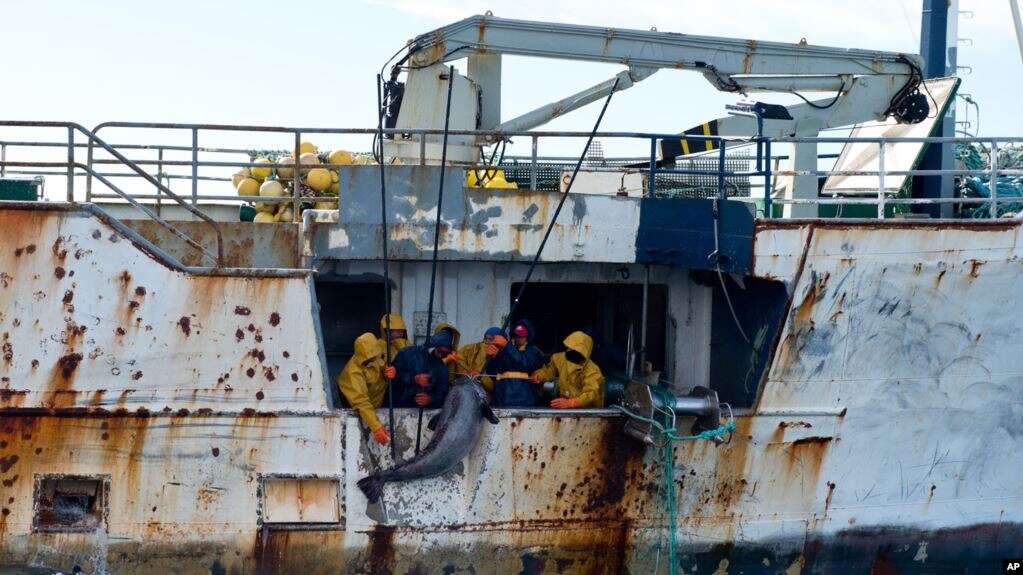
{"points": [[680, 232]]}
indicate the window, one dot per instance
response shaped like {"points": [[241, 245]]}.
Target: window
{"points": [[299, 500], [736, 367], [612, 314], [349, 307], [70, 503]]}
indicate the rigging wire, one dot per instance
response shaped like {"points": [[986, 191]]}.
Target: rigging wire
{"points": [[387, 280], [436, 235], [561, 204]]}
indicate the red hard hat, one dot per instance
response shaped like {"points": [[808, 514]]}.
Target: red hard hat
{"points": [[521, 331]]}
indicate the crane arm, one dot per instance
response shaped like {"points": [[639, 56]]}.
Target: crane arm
{"points": [[725, 61]]}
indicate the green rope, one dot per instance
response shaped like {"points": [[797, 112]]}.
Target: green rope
{"points": [[668, 464]]}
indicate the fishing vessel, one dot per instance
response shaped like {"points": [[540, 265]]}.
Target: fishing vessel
{"points": [[168, 403]]}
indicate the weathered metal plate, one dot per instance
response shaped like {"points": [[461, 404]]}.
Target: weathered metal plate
{"points": [[91, 322]]}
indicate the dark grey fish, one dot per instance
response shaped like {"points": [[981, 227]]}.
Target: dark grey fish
{"points": [[456, 430]]}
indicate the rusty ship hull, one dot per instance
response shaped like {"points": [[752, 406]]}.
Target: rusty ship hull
{"points": [[155, 420]]}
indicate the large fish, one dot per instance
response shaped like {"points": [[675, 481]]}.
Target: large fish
{"points": [[456, 429]]}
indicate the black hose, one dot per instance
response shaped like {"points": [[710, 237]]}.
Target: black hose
{"points": [[436, 236], [561, 203], [387, 281]]}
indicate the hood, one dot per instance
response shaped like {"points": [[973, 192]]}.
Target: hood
{"points": [[580, 342], [455, 334], [396, 323], [528, 324], [367, 346]]}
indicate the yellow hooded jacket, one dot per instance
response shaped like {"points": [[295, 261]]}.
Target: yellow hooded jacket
{"points": [[584, 382], [396, 323], [362, 380], [472, 358]]}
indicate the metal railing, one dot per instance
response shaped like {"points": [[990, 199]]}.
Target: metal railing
{"points": [[71, 165], [762, 175]]}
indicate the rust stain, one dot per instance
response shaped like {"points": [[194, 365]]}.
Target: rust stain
{"points": [[186, 325], [381, 550], [975, 266], [275, 319], [242, 310]]}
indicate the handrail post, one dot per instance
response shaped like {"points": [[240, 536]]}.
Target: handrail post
{"points": [[296, 176], [532, 164], [650, 189], [88, 173], [195, 166], [993, 185], [880, 180], [767, 178], [159, 177], [721, 170], [70, 164], [3, 158], [422, 150]]}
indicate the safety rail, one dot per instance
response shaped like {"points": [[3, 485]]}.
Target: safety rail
{"points": [[763, 174], [71, 165]]}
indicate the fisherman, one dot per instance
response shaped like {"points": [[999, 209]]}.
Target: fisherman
{"points": [[512, 365], [580, 382], [363, 385], [472, 357], [398, 337], [420, 373]]}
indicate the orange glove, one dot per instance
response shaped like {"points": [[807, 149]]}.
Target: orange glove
{"points": [[451, 358], [499, 342], [535, 378], [422, 400], [381, 435], [565, 403], [390, 372], [422, 379]]}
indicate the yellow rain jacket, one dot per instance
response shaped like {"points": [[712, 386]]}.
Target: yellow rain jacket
{"points": [[362, 380], [472, 358], [584, 382], [396, 323]]}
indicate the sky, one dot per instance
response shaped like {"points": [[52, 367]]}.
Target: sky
{"points": [[314, 63]]}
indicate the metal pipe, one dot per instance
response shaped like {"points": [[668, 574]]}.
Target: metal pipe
{"points": [[651, 184], [296, 178], [70, 164], [534, 142], [993, 184], [195, 166], [159, 172], [880, 181], [767, 179], [3, 160]]}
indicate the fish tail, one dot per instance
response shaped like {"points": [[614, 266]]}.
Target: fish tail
{"points": [[372, 486]]}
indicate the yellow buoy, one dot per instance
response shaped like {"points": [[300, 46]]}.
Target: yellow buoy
{"points": [[307, 147], [283, 172], [264, 218], [248, 187], [341, 157], [318, 179], [259, 172], [326, 205], [286, 215], [308, 159], [271, 188], [240, 175]]}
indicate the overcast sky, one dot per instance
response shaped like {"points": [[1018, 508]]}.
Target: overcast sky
{"points": [[260, 62]]}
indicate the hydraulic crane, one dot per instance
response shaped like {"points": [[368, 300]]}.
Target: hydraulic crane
{"points": [[867, 85]]}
